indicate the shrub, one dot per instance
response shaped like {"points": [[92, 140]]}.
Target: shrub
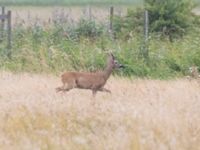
{"points": [[88, 28], [128, 24]]}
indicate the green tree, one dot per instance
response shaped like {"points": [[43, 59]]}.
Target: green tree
{"points": [[170, 17]]}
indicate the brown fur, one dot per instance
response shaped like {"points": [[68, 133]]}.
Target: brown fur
{"points": [[86, 80]]}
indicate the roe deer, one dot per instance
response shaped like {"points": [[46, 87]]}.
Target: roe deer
{"points": [[87, 80]]}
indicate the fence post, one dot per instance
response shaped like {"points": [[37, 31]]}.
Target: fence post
{"points": [[111, 20], [2, 23], [90, 12], [146, 34], [9, 33]]}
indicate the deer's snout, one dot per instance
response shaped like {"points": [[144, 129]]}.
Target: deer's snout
{"points": [[118, 65], [121, 66]]}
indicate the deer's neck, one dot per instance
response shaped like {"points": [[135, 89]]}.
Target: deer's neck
{"points": [[107, 72]]}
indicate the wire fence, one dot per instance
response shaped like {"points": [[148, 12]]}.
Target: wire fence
{"points": [[68, 17]]}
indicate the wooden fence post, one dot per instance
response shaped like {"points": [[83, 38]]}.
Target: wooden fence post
{"points": [[89, 12], [9, 33], [146, 34], [2, 23], [111, 18], [111, 22]]}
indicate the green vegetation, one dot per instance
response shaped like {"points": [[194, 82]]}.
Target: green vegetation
{"points": [[170, 19], [55, 49]]}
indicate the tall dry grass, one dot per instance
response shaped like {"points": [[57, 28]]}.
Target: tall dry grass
{"points": [[139, 115]]}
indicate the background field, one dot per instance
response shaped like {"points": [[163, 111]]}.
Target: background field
{"points": [[69, 2], [138, 115], [45, 15], [72, 2], [32, 14]]}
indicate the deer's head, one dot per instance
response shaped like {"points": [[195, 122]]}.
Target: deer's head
{"points": [[112, 62], [193, 69]]}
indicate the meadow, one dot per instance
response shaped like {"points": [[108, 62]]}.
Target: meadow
{"points": [[138, 115]]}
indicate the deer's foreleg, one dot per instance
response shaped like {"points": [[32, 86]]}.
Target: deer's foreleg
{"points": [[94, 92]]}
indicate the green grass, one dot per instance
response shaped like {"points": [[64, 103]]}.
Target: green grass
{"points": [[68, 2]]}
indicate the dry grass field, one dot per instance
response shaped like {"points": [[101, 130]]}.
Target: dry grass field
{"points": [[138, 115], [45, 15], [31, 15]]}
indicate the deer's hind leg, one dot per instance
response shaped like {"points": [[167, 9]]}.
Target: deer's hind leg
{"points": [[62, 88], [70, 84], [58, 89], [67, 86], [104, 90]]}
